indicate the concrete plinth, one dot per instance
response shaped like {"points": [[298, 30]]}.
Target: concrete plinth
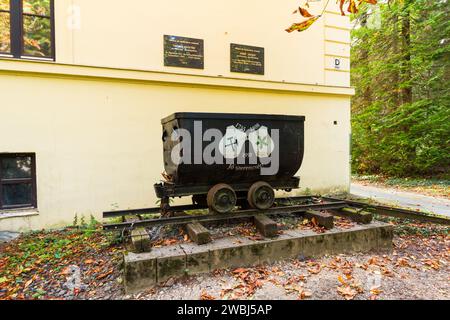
{"points": [[149, 269]]}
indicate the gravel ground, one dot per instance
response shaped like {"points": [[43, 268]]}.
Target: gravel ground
{"points": [[418, 268], [319, 280]]}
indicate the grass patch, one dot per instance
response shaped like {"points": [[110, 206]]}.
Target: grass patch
{"points": [[30, 264], [404, 227]]}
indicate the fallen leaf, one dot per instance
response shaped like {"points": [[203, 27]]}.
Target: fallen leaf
{"points": [[375, 291], [304, 294], [104, 275], [315, 270], [347, 292], [66, 271], [434, 264], [206, 296], [27, 284], [239, 270]]}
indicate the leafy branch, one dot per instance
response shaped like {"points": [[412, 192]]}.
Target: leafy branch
{"points": [[353, 7]]}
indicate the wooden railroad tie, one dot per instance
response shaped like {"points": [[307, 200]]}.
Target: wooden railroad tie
{"points": [[198, 233], [140, 240], [324, 219], [266, 226], [356, 215]]}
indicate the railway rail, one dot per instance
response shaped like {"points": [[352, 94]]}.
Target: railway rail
{"points": [[396, 212], [282, 206], [240, 214]]}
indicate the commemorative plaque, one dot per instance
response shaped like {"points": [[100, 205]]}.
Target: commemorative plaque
{"points": [[183, 52], [247, 59]]}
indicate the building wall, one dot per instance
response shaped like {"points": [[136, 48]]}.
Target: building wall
{"points": [[93, 115], [112, 33], [98, 142]]}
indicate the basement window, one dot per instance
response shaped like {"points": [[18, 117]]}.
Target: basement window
{"points": [[27, 29], [17, 181]]}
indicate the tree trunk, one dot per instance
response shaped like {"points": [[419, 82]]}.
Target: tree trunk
{"points": [[406, 89]]}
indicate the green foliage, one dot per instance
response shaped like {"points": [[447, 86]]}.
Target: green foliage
{"points": [[36, 29], [307, 192], [75, 220], [88, 228], [401, 114]]}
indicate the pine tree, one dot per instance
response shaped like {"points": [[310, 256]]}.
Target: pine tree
{"points": [[400, 69]]}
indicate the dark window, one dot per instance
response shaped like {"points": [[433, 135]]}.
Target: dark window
{"points": [[17, 181], [27, 28]]}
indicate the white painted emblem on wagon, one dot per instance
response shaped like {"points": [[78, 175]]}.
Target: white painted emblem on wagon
{"points": [[262, 142], [234, 140]]}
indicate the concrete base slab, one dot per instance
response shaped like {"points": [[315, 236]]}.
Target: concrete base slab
{"points": [[170, 263], [148, 269], [7, 236], [197, 259], [139, 271]]}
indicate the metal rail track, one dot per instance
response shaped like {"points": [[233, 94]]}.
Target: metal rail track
{"points": [[136, 212], [395, 212], [191, 207], [241, 214]]}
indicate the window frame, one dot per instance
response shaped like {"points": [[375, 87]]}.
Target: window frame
{"points": [[16, 21], [31, 180]]}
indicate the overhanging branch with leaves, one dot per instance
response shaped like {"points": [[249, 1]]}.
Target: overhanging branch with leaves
{"points": [[353, 7]]}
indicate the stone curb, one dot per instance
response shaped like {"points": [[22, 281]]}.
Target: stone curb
{"points": [[145, 270]]}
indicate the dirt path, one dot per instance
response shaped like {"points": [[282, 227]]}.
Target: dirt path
{"points": [[404, 199]]}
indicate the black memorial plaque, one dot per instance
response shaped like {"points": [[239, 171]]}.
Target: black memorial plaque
{"points": [[183, 52], [247, 59]]}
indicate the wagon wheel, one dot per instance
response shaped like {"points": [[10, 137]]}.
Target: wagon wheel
{"points": [[221, 198], [261, 195]]}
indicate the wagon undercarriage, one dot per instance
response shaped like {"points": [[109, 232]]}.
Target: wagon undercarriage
{"points": [[223, 197]]}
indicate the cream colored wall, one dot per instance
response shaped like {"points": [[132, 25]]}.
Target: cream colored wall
{"points": [[98, 141], [92, 118], [129, 35]]}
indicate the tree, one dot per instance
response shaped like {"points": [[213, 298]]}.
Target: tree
{"points": [[401, 114], [401, 110]]}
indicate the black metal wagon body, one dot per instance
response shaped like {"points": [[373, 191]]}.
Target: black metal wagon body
{"points": [[240, 146]]}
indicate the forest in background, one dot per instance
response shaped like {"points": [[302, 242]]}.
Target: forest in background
{"points": [[400, 69]]}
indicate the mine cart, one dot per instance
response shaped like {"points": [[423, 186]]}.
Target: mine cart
{"points": [[223, 160]]}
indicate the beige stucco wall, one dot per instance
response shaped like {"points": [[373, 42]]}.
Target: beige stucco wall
{"points": [[129, 35], [98, 142], [93, 116]]}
